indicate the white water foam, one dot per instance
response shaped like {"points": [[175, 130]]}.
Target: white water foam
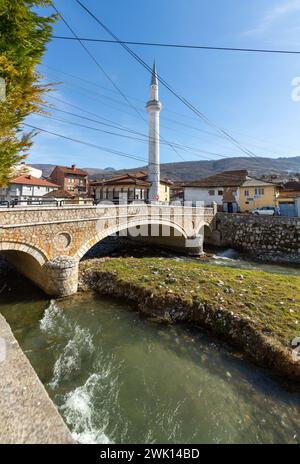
{"points": [[229, 254], [54, 320], [70, 360], [77, 411]]}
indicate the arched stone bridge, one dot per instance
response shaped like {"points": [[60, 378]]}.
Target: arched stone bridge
{"points": [[47, 243]]}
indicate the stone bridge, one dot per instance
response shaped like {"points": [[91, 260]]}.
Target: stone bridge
{"points": [[46, 243]]}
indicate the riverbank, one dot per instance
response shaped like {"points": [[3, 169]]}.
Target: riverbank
{"points": [[257, 312], [27, 414]]}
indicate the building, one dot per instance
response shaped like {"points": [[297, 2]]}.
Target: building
{"points": [[288, 198], [58, 195], [221, 189], [140, 185], [26, 169], [177, 191], [26, 187], [256, 193], [232, 191], [297, 207], [130, 186], [71, 179], [68, 198]]}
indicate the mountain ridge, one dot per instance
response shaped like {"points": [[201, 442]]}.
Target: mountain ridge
{"points": [[193, 170]]}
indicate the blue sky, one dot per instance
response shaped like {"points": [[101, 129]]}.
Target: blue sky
{"points": [[248, 94]]}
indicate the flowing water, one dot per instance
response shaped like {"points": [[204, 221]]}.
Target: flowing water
{"points": [[119, 378], [232, 258]]}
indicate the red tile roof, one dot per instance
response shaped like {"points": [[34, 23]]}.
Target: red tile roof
{"points": [[70, 170], [59, 194], [31, 180], [223, 179], [292, 185], [136, 178]]}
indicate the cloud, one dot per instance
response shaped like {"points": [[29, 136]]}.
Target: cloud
{"points": [[279, 12]]}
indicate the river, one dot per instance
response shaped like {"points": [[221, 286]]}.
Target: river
{"points": [[120, 378]]}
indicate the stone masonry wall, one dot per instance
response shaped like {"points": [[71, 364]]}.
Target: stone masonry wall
{"points": [[264, 237], [46, 243]]}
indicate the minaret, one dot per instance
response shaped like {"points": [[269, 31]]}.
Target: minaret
{"points": [[154, 108]]}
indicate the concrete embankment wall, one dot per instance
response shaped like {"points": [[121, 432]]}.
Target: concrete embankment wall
{"points": [[273, 238], [27, 414]]}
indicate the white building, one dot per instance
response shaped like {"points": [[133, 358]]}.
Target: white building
{"points": [[26, 187], [26, 169], [222, 189], [297, 204]]}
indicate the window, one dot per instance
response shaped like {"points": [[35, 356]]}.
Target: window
{"points": [[259, 191], [211, 193], [246, 193], [220, 193]]}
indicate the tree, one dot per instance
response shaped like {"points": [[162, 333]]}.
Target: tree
{"points": [[23, 37]]}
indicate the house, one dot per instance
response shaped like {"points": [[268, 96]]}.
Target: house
{"points": [[26, 187], [256, 193], [67, 197], [71, 179], [25, 169], [177, 191], [232, 191], [58, 195], [133, 186], [287, 200], [221, 188]]}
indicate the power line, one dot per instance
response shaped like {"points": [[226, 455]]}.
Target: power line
{"points": [[184, 46], [201, 115], [273, 150], [105, 149], [144, 140], [123, 128], [106, 74]]}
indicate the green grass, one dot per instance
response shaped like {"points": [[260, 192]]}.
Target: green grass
{"points": [[270, 301]]}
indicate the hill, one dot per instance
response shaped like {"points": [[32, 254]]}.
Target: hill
{"points": [[193, 170]]}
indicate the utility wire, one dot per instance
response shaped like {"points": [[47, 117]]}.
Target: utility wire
{"points": [[105, 149], [201, 115], [106, 74], [118, 126], [144, 140], [114, 125], [193, 47], [273, 150]]}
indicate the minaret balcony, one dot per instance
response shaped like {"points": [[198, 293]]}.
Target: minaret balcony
{"points": [[154, 105]]}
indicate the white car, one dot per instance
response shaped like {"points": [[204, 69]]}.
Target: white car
{"points": [[267, 210]]}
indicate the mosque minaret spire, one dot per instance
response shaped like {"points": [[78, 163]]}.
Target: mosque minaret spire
{"points": [[154, 107]]}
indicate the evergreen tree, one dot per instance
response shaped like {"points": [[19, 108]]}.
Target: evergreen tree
{"points": [[23, 37]]}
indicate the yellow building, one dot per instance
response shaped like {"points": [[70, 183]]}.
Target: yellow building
{"points": [[255, 193], [133, 186]]}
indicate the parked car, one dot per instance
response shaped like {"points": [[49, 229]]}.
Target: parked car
{"points": [[265, 210]]}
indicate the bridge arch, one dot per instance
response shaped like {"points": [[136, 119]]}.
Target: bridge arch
{"points": [[37, 254], [112, 230]]}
